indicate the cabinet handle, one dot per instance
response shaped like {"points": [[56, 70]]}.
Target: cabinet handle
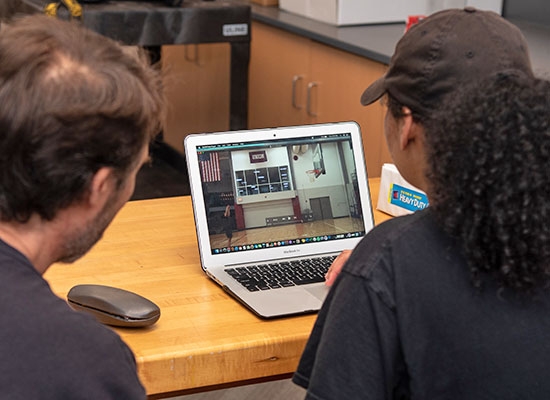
{"points": [[195, 57], [295, 80], [310, 86]]}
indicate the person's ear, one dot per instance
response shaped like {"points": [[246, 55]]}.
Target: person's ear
{"points": [[407, 128], [101, 187]]}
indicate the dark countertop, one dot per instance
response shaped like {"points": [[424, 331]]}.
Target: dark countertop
{"points": [[372, 41], [377, 41], [153, 22]]}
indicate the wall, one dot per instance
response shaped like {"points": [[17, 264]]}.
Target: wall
{"points": [[537, 11], [329, 184]]}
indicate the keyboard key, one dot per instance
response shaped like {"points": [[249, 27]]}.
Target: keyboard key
{"points": [[283, 274]]}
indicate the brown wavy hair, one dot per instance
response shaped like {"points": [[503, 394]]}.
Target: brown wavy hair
{"points": [[71, 102]]}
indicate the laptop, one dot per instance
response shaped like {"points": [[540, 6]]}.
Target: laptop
{"points": [[274, 207]]}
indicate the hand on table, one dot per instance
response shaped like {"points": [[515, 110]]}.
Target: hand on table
{"points": [[336, 267]]}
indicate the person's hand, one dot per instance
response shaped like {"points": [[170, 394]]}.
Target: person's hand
{"points": [[336, 267]]}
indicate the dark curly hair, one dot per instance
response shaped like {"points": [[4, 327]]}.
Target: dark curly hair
{"points": [[488, 156], [71, 102]]}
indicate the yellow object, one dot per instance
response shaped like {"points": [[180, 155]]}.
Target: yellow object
{"points": [[51, 9], [75, 9]]}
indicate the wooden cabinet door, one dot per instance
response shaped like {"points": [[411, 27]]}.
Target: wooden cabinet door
{"points": [[293, 81], [196, 86], [339, 78], [278, 75]]}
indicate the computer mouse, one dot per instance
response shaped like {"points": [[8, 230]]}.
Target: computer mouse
{"points": [[114, 306]]}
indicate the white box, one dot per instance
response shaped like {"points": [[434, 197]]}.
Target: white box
{"points": [[357, 12], [491, 5], [397, 196], [299, 7]]}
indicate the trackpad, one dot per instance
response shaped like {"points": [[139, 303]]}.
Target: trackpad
{"points": [[319, 291]]}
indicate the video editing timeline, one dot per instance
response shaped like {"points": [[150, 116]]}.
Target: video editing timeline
{"points": [[290, 242]]}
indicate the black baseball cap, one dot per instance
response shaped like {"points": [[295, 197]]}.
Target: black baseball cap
{"points": [[447, 49]]}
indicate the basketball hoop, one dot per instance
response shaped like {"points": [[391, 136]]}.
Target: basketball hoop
{"points": [[312, 174]]}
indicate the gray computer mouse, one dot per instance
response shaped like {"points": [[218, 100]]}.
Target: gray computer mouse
{"points": [[114, 306]]}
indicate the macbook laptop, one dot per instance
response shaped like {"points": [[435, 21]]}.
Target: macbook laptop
{"points": [[274, 207]]}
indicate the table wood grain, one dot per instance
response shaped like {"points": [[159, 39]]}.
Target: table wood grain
{"points": [[204, 339]]}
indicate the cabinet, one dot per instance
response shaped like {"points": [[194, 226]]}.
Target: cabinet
{"points": [[295, 80], [196, 86]]}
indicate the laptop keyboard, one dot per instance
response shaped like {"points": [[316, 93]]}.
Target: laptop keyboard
{"points": [[282, 274]]}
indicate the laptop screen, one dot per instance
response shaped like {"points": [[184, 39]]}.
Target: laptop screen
{"points": [[280, 192]]}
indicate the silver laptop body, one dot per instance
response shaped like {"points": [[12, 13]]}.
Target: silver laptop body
{"points": [[268, 197]]}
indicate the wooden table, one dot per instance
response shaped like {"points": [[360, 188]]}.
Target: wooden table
{"points": [[204, 339]]}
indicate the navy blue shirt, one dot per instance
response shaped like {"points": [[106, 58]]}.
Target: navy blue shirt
{"points": [[48, 351], [403, 321]]}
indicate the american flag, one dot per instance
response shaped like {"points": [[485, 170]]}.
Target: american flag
{"points": [[210, 166]]}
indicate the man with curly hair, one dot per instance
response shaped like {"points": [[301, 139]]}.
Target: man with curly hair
{"points": [[450, 302], [77, 113]]}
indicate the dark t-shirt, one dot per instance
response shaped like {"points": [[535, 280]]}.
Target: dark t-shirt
{"points": [[404, 321], [48, 351]]}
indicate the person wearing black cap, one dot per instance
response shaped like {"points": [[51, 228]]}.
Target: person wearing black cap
{"points": [[450, 302], [442, 53]]}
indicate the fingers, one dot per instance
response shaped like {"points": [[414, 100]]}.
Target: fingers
{"points": [[336, 267]]}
